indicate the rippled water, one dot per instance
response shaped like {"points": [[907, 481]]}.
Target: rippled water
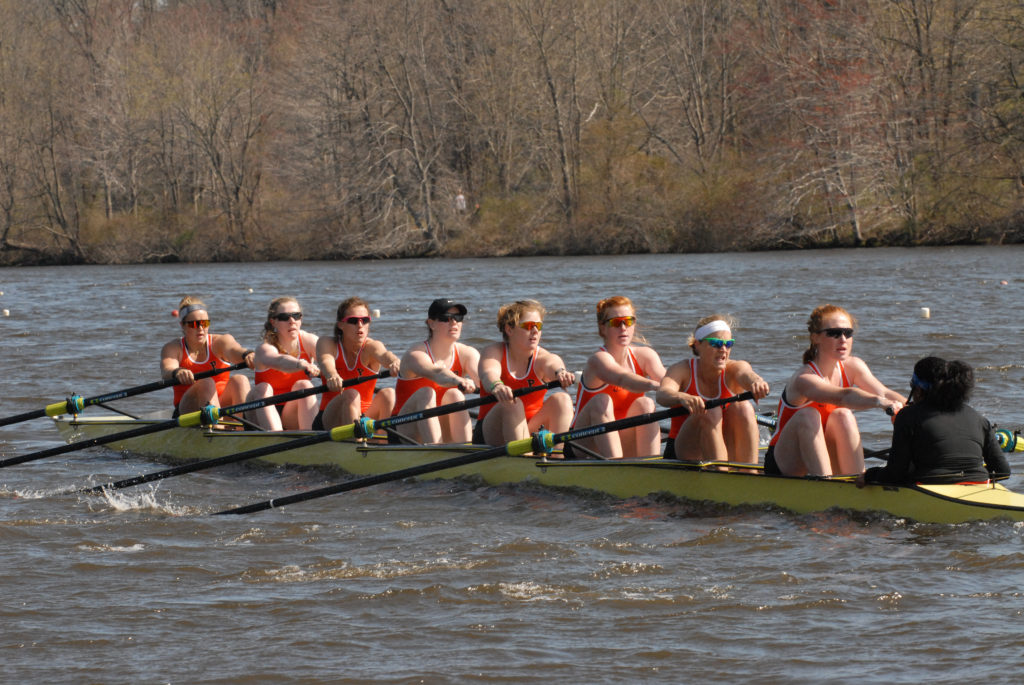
{"points": [[457, 582]]}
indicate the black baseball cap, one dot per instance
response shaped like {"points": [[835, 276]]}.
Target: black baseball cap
{"points": [[441, 306]]}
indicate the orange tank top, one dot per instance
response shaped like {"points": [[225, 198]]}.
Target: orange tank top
{"points": [[693, 389], [787, 410], [621, 398], [282, 381], [532, 402], [405, 387], [210, 363], [346, 372]]}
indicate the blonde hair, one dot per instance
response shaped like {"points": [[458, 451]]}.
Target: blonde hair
{"points": [[269, 334], [814, 326], [190, 301], [727, 318], [511, 314]]}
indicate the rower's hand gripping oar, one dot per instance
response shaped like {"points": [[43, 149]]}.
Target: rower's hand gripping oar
{"points": [[364, 428], [540, 442], [76, 403], [207, 416]]}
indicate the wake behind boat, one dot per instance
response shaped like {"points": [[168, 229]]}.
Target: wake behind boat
{"points": [[717, 482]]}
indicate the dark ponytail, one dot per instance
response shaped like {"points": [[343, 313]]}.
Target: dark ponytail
{"points": [[944, 385]]}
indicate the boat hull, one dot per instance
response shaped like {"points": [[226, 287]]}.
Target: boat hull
{"points": [[619, 478]]}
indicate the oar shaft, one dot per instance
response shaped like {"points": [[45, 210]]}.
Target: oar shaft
{"points": [[210, 463], [191, 419], [64, 406], [393, 421], [516, 447], [513, 448]]}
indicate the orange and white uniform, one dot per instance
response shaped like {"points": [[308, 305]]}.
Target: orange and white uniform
{"points": [[692, 389], [787, 410], [622, 399], [405, 387], [533, 402], [210, 363], [346, 372], [282, 381]]}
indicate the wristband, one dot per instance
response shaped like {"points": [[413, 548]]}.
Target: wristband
{"points": [[496, 384]]}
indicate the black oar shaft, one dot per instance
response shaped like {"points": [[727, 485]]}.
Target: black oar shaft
{"points": [[62, 407], [187, 420], [336, 434], [210, 463], [514, 448]]}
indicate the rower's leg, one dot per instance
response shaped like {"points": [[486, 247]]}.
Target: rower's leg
{"points": [[842, 436], [801, 448], [739, 428]]}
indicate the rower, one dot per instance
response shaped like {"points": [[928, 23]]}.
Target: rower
{"points": [[817, 433], [518, 361], [728, 432], [613, 385], [200, 350], [351, 353], [284, 362], [439, 370]]}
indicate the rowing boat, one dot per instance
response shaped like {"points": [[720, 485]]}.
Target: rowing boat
{"points": [[715, 482]]}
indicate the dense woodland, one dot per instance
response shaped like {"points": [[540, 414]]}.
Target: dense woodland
{"points": [[161, 130]]}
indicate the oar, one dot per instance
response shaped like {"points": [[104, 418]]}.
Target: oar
{"points": [[363, 428], [542, 442], [77, 403], [206, 416]]}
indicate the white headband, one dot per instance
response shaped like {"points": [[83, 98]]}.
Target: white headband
{"points": [[188, 309], [710, 327]]}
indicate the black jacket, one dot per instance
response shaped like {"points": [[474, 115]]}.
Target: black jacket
{"points": [[932, 446]]}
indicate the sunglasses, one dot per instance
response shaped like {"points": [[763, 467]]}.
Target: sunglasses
{"points": [[620, 321], [530, 325], [837, 332], [445, 318], [196, 323], [284, 316], [718, 343], [357, 320]]}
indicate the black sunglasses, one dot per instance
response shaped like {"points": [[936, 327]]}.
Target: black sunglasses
{"points": [[356, 320], [284, 316], [445, 318], [837, 332]]}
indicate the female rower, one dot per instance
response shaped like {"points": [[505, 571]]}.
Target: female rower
{"points": [[199, 350], [351, 353], [284, 362], [725, 433], [440, 370], [519, 362], [613, 384], [817, 432], [938, 438]]}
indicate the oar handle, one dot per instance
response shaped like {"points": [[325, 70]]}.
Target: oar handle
{"points": [[544, 441], [76, 403]]}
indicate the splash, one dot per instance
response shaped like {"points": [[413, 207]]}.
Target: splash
{"points": [[142, 500]]}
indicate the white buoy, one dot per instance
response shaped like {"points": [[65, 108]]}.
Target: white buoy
{"points": [[7, 312], [376, 313], [250, 289], [926, 313]]}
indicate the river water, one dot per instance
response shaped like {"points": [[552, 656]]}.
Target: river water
{"points": [[455, 582]]}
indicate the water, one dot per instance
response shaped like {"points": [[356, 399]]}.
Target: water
{"points": [[455, 582]]}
